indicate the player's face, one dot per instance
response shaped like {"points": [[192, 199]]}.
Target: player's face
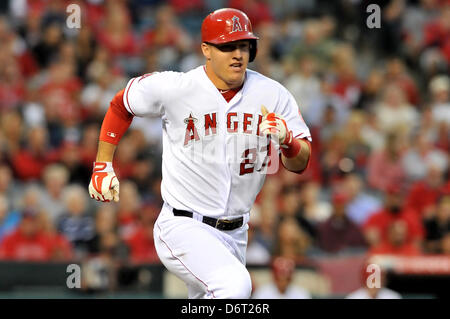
{"points": [[226, 63]]}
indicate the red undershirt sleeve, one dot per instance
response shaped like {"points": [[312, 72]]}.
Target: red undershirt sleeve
{"points": [[309, 159], [117, 120]]}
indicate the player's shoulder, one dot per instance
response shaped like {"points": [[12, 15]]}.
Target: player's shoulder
{"points": [[165, 80], [259, 80]]}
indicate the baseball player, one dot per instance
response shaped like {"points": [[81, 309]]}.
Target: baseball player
{"points": [[222, 123]]}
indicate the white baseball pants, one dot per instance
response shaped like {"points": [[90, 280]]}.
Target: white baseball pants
{"points": [[211, 262]]}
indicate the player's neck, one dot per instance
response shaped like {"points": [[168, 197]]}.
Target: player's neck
{"points": [[220, 84]]}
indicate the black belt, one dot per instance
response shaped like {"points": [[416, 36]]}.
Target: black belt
{"points": [[221, 224]]}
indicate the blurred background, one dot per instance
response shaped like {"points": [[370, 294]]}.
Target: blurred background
{"points": [[377, 102]]}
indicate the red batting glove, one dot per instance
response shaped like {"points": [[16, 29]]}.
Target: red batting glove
{"points": [[275, 125], [104, 185]]}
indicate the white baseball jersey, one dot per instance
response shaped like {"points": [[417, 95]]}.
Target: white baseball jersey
{"points": [[213, 154]]}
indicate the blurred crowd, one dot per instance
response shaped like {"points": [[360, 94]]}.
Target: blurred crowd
{"points": [[377, 102]]}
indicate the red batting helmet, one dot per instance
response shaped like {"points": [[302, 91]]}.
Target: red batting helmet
{"points": [[228, 25]]}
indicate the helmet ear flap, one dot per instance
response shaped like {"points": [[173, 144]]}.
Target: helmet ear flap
{"points": [[253, 50]]}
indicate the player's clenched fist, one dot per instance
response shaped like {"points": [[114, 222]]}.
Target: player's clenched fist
{"points": [[104, 185], [275, 125]]}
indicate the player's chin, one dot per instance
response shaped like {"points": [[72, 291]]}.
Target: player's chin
{"points": [[236, 75]]}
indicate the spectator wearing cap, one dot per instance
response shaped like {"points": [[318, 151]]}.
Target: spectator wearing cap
{"points": [[338, 232], [376, 227], [282, 286], [371, 289], [437, 227]]}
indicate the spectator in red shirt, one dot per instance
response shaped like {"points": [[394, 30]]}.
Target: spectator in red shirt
{"points": [[142, 248], [397, 241], [116, 34], [128, 210], [12, 84], [376, 227], [167, 35], [63, 87], [29, 162], [437, 33], [27, 243], [385, 166], [424, 194], [60, 248], [396, 74], [182, 6], [346, 86]]}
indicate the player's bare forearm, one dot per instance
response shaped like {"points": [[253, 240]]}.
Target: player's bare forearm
{"points": [[299, 162], [105, 152]]}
